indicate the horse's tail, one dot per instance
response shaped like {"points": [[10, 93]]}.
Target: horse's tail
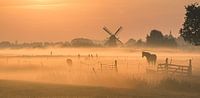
{"points": [[155, 60]]}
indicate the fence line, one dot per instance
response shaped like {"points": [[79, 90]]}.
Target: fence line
{"points": [[173, 68], [110, 66]]}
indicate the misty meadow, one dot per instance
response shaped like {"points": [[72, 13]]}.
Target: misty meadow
{"points": [[99, 49]]}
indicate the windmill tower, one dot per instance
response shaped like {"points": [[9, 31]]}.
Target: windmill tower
{"points": [[113, 41]]}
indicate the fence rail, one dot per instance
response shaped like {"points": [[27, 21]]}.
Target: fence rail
{"points": [[110, 66], [173, 68]]}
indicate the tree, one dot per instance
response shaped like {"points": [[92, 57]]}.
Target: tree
{"points": [[170, 40], [82, 42], [5, 44], [191, 27], [140, 43], [155, 38], [130, 43]]}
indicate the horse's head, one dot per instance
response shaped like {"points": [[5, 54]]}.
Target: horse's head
{"points": [[143, 54]]}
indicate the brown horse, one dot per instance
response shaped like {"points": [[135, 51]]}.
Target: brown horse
{"points": [[151, 58]]}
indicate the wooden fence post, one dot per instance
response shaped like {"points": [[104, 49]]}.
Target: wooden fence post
{"points": [[116, 68], [101, 67], [190, 67], [166, 66]]}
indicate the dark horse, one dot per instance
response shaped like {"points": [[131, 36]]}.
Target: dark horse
{"points": [[151, 58]]}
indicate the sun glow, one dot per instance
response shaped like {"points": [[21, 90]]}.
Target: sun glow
{"points": [[46, 2]]}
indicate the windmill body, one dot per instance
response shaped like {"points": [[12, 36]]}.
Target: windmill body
{"points": [[113, 41]]}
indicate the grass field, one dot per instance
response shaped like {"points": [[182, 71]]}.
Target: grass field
{"points": [[34, 73], [21, 89]]}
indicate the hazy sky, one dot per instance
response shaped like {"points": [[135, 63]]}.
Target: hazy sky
{"points": [[60, 20]]}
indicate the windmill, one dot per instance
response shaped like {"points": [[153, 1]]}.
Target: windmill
{"points": [[113, 41]]}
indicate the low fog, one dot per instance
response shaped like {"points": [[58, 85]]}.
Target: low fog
{"points": [[90, 66]]}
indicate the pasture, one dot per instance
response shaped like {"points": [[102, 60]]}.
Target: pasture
{"points": [[95, 69]]}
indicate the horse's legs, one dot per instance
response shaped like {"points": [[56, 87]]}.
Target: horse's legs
{"points": [[154, 62], [149, 62]]}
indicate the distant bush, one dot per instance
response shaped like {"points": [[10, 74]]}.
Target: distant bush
{"points": [[157, 39], [82, 42]]}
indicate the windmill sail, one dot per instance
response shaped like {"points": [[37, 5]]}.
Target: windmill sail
{"points": [[113, 41], [118, 30], [107, 31]]}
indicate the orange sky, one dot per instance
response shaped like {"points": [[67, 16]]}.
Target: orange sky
{"points": [[60, 20]]}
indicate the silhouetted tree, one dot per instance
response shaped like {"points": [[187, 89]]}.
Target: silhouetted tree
{"points": [[36, 45], [181, 42], [66, 44], [191, 27], [5, 44], [82, 42], [140, 43], [130, 43], [155, 38], [170, 40]]}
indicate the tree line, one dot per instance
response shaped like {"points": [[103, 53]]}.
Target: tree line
{"points": [[154, 39]]}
